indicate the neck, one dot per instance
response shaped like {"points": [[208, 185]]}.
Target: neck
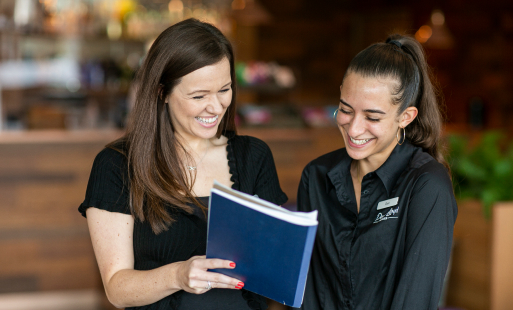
{"points": [[373, 162], [197, 145]]}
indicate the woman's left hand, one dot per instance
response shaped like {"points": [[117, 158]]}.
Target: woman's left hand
{"points": [[193, 276]]}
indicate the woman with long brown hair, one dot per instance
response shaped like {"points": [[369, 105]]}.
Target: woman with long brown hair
{"points": [[385, 201], [147, 194]]}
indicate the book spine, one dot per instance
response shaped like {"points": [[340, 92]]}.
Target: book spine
{"points": [[305, 264]]}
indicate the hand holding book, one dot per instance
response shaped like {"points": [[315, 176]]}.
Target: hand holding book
{"points": [[193, 275]]}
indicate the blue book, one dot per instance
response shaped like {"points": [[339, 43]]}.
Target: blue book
{"points": [[270, 245]]}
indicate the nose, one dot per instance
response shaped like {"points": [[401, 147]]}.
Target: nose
{"points": [[356, 126], [215, 105]]}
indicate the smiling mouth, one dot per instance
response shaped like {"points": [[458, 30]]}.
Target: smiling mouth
{"points": [[359, 141], [209, 120]]}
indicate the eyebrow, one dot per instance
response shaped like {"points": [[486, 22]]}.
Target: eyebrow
{"points": [[367, 110], [206, 91]]}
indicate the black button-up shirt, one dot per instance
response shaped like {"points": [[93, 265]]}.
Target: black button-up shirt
{"points": [[394, 253]]}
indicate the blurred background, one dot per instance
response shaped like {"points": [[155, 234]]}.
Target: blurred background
{"points": [[66, 68]]}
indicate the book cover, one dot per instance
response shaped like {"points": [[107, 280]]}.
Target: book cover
{"points": [[270, 245]]}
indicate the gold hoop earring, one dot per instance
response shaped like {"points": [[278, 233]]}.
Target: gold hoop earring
{"points": [[404, 135], [335, 113]]}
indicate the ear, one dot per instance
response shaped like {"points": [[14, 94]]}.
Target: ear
{"points": [[407, 116], [160, 90]]}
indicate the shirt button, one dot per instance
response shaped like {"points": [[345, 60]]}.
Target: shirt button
{"points": [[365, 192]]}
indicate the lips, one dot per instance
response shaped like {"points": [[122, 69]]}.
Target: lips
{"points": [[359, 141], [207, 121]]}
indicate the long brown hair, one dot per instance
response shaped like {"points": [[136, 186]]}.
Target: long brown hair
{"points": [[157, 176], [403, 59]]}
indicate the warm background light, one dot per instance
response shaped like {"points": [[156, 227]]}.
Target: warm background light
{"points": [[175, 6], [423, 34], [437, 18], [238, 4]]}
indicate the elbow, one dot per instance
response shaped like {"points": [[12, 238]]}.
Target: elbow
{"points": [[115, 301], [118, 298]]}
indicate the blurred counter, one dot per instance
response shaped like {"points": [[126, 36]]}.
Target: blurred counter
{"points": [[292, 149], [58, 136]]}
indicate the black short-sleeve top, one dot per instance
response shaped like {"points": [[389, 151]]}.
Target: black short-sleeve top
{"points": [[252, 171]]}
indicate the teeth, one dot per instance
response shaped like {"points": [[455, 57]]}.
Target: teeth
{"points": [[209, 120], [359, 142]]}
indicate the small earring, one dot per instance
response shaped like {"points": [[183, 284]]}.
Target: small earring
{"points": [[404, 135], [335, 113]]}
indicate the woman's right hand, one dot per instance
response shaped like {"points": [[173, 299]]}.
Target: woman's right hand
{"points": [[193, 276]]}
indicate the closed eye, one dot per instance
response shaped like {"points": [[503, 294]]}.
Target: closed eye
{"points": [[224, 90], [344, 111]]}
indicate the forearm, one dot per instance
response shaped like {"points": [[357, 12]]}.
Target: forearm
{"points": [[132, 288]]}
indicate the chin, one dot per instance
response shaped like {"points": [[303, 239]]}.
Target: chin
{"points": [[208, 133], [356, 156]]}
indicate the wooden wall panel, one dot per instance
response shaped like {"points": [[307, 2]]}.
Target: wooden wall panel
{"points": [[44, 240], [469, 281], [502, 257]]}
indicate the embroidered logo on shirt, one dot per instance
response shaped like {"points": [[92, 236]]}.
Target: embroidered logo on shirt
{"points": [[389, 215]]}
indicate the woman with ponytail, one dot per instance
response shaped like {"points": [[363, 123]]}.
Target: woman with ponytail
{"points": [[147, 197], [385, 201]]}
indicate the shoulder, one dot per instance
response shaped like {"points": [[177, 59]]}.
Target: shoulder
{"points": [[431, 193], [326, 162], [431, 185], [109, 156], [247, 141], [426, 170], [110, 161], [248, 145]]}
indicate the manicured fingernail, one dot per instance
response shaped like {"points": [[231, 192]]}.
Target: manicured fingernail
{"points": [[232, 265], [240, 284], [238, 287]]}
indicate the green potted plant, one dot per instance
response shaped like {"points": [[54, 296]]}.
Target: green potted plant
{"points": [[482, 172]]}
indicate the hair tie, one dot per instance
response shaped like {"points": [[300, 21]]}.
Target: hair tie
{"points": [[396, 43]]}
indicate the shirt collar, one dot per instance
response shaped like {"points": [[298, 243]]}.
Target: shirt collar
{"points": [[395, 164], [338, 177], [389, 172]]}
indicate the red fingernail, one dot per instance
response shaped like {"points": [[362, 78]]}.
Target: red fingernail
{"points": [[240, 284], [232, 264], [238, 287]]}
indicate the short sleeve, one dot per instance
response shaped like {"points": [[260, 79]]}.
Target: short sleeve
{"points": [[107, 188]]}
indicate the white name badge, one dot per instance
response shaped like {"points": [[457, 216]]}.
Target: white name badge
{"points": [[388, 203]]}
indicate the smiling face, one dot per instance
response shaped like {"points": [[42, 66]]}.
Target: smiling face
{"points": [[198, 103], [367, 118]]}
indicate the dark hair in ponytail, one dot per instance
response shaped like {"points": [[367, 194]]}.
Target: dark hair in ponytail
{"points": [[402, 58]]}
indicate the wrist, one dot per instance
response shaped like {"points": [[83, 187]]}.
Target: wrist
{"points": [[173, 275]]}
